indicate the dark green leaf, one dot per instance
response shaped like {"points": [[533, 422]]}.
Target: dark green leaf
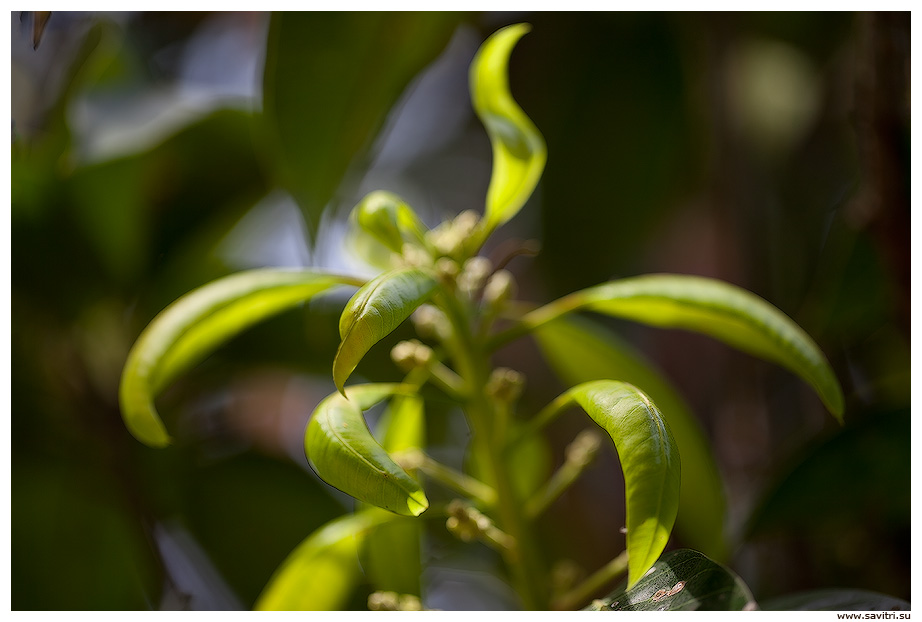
{"points": [[580, 351], [519, 151], [682, 580], [374, 311], [330, 79], [345, 455], [192, 327], [649, 459], [322, 571], [835, 600]]}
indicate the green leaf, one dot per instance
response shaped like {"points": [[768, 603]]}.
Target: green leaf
{"points": [[392, 554], [330, 80], [519, 151], [682, 580], [345, 455], [389, 219], [733, 315], [320, 574], [374, 311], [649, 459], [836, 600], [579, 350], [194, 325]]}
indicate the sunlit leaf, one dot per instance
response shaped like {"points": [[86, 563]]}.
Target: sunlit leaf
{"points": [[194, 325], [649, 459], [519, 151], [733, 315], [392, 554], [682, 580], [374, 311], [344, 454], [579, 351], [320, 574], [835, 600], [389, 219], [330, 80]]}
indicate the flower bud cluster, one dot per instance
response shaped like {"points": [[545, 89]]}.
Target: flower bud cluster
{"points": [[505, 385], [465, 522]]}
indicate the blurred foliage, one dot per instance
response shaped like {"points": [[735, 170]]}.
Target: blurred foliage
{"points": [[142, 143]]}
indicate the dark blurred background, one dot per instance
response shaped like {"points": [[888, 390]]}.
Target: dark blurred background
{"points": [[153, 152]]}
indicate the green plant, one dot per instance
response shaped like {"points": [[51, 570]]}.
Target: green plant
{"points": [[466, 310]]}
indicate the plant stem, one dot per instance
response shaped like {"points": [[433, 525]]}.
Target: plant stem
{"points": [[474, 367], [585, 590], [459, 482]]}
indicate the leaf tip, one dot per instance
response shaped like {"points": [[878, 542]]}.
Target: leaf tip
{"points": [[417, 503]]}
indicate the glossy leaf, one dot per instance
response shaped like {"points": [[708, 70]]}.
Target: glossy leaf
{"points": [[389, 219], [733, 315], [649, 459], [682, 580], [320, 574], [579, 350], [519, 151], [374, 311], [835, 600], [194, 325], [392, 554], [342, 451], [329, 81]]}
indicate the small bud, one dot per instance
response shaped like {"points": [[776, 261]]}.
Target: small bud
{"points": [[414, 257], [384, 601], [431, 323], [505, 384], [409, 355], [447, 268], [474, 273], [464, 224], [499, 289]]}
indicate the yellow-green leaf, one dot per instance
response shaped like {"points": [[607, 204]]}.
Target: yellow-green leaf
{"points": [[389, 219], [649, 458], [579, 350], [392, 554], [374, 311], [320, 574], [733, 315], [194, 325], [519, 151], [344, 454]]}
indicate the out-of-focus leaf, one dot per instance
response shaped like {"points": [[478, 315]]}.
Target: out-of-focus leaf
{"points": [[392, 555], [389, 219], [344, 454], [529, 461], [192, 327], [374, 311], [330, 79], [835, 600], [519, 151], [580, 351], [733, 315], [863, 467], [682, 580], [649, 459], [320, 574]]}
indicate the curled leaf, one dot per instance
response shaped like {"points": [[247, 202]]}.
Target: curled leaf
{"points": [[579, 350], [374, 311], [649, 459], [519, 151], [194, 325], [389, 220], [320, 574], [345, 455]]}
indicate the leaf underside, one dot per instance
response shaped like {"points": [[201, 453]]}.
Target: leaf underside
{"points": [[342, 451]]}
